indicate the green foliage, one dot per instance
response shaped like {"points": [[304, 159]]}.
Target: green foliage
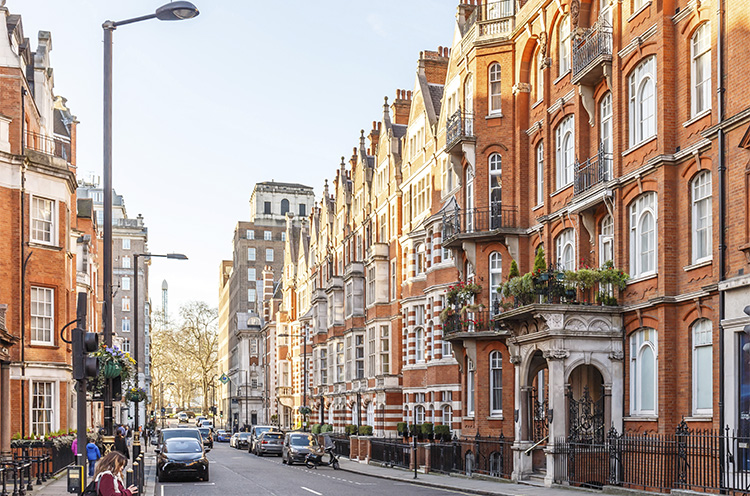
{"points": [[610, 275], [587, 278], [540, 265], [514, 272], [605, 299], [427, 428], [460, 293], [521, 288], [401, 428], [414, 429], [442, 431], [350, 430], [326, 428], [315, 428], [365, 430]]}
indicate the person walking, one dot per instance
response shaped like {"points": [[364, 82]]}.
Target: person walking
{"points": [[92, 454], [74, 446], [121, 445], [109, 476]]}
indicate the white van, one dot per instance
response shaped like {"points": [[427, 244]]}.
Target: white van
{"points": [[207, 423]]}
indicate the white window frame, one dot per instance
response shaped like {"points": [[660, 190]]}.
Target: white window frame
{"points": [[700, 74], [564, 46], [269, 254], [125, 243], [42, 315], [539, 60], [642, 97], [605, 135], [126, 303], [470, 386], [565, 157], [606, 240], [48, 410], [251, 295], [702, 338], [251, 254], [540, 173], [493, 90], [349, 298], [702, 221], [125, 345], [385, 350], [419, 414], [421, 258], [495, 166], [448, 416], [496, 384], [125, 283], [267, 236], [496, 276], [447, 348], [419, 342], [126, 263], [565, 249], [639, 341], [43, 228], [249, 234], [252, 275], [125, 325], [644, 205]]}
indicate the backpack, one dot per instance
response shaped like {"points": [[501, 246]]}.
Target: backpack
{"points": [[92, 489]]}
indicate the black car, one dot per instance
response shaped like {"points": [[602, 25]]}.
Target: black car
{"points": [[181, 456], [165, 434], [208, 437], [296, 447], [243, 440]]}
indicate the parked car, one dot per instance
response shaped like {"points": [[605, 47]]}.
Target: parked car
{"points": [[269, 443], [173, 432], [182, 456], [297, 445], [222, 436], [233, 440], [243, 440], [255, 432], [199, 419], [208, 438], [182, 417], [207, 423]]}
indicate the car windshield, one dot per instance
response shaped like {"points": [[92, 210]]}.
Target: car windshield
{"points": [[272, 435], [170, 433], [244, 435], [204, 432], [183, 445], [302, 440]]}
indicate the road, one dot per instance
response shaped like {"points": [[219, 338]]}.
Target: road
{"points": [[238, 472]]}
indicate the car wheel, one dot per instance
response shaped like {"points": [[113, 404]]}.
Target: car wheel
{"points": [[205, 477]]}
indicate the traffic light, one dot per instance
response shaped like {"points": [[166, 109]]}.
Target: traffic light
{"points": [[84, 366]]}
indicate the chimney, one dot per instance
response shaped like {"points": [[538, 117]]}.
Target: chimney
{"points": [[401, 106]]}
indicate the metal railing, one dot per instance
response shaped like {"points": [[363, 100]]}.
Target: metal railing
{"points": [[470, 322], [392, 452], [490, 456], [341, 444], [595, 170], [478, 220], [592, 44], [494, 17], [54, 147], [459, 126]]}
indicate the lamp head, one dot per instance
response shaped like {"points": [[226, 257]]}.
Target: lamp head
{"points": [[177, 256], [176, 11]]}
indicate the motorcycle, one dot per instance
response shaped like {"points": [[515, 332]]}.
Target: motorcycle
{"points": [[315, 460]]}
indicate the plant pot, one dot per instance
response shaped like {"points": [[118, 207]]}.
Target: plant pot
{"points": [[111, 370], [570, 293]]}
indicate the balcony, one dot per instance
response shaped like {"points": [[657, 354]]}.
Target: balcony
{"points": [[54, 147], [592, 54], [284, 391], [479, 223], [595, 170], [470, 324], [496, 19], [459, 128]]}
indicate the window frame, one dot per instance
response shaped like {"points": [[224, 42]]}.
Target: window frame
{"points": [[269, 255], [565, 134], [419, 345], [48, 317], [701, 98], [540, 174], [470, 389], [564, 48], [640, 78], [565, 241], [636, 371], [251, 254], [494, 78], [50, 409], [698, 183], [637, 211], [496, 383], [495, 266], [705, 328], [50, 225]]}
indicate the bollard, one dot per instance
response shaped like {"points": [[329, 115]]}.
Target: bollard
{"points": [[136, 473], [129, 477]]}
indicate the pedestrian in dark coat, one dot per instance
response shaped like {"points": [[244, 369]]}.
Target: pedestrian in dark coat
{"points": [[121, 445]]}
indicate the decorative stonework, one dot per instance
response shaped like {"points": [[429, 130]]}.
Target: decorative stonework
{"points": [[616, 355], [521, 88], [556, 354], [515, 359]]}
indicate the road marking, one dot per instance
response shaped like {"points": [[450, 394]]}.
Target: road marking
{"points": [[314, 492]]}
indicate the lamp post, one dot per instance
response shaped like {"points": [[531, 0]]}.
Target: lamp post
{"points": [[161, 401], [172, 11]]}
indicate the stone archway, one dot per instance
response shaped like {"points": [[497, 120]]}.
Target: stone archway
{"points": [[587, 414]]}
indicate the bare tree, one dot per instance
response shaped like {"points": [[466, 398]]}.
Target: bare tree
{"points": [[200, 343]]}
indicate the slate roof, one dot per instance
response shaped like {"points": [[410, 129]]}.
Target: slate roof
{"points": [[399, 130], [436, 94]]}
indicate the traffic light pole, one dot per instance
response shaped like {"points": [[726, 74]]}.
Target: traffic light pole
{"points": [[83, 365]]}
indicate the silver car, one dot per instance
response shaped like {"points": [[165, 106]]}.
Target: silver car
{"points": [[296, 447], [269, 443]]}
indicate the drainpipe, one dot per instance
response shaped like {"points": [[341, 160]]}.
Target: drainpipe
{"points": [[722, 220], [24, 261]]}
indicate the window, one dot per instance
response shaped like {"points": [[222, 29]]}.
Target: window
{"points": [[125, 284], [420, 258], [126, 304], [642, 118], [42, 408], [371, 414], [269, 254], [251, 254], [446, 345], [251, 275], [125, 346], [125, 325], [496, 189], [349, 297], [449, 180], [340, 361], [496, 273], [496, 383], [494, 89], [250, 234], [606, 240], [371, 285], [469, 199], [393, 279], [419, 414], [470, 389], [540, 174], [323, 366], [125, 262], [385, 346], [643, 385], [359, 356], [702, 222], [302, 210], [42, 315], [539, 59], [565, 249], [703, 385], [421, 196], [419, 344], [251, 295], [125, 243], [565, 157], [371, 352], [448, 416], [266, 207], [383, 225], [605, 12], [267, 236], [469, 106], [605, 137], [42, 221], [643, 235], [564, 47], [283, 236], [284, 206], [701, 70]]}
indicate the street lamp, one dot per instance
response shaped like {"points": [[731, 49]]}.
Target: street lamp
{"points": [[172, 11], [136, 313]]}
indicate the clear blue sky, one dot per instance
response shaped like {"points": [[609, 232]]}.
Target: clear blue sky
{"points": [[248, 91]]}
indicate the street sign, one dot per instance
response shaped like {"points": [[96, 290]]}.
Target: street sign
{"points": [[163, 410], [223, 379]]}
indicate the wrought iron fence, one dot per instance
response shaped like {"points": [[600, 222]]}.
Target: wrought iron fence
{"points": [[585, 416], [341, 444], [707, 461], [49, 146], [593, 43], [470, 322], [595, 170], [478, 220], [458, 126], [391, 451], [490, 456]]}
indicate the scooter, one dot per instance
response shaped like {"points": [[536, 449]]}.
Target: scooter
{"points": [[315, 460]]}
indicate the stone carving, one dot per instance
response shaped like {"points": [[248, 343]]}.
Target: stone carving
{"points": [[556, 354], [554, 320], [521, 88], [543, 44], [514, 359], [575, 325], [575, 10], [616, 355]]}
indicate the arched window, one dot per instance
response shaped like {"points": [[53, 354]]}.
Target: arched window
{"points": [[700, 51], [496, 273], [565, 156], [642, 88], [643, 235], [470, 388], [448, 416], [284, 206], [540, 173], [469, 200], [496, 188], [702, 221], [496, 383], [703, 385], [539, 66], [371, 414], [419, 414], [564, 45], [565, 249], [420, 258], [419, 344], [605, 137], [643, 372], [494, 89]]}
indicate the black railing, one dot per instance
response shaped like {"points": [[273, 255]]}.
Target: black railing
{"points": [[592, 44], [595, 170], [392, 452], [490, 456], [54, 147], [687, 460], [341, 444], [478, 220], [478, 321], [459, 126]]}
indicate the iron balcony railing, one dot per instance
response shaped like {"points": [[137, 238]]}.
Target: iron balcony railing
{"points": [[595, 42], [459, 126], [478, 321], [54, 147], [595, 170], [478, 220]]}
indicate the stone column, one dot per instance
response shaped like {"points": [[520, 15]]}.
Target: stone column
{"points": [[521, 462], [556, 411]]}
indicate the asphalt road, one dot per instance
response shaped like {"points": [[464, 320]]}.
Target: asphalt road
{"points": [[235, 472]]}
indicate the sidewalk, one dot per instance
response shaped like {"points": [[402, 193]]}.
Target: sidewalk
{"points": [[475, 485], [58, 485]]}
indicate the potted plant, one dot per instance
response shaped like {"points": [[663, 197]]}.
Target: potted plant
{"points": [[136, 395], [443, 432], [326, 428], [402, 429], [540, 266], [315, 428], [365, 430], [427, 431], [113, 362], [608, 274], [415, 430]]}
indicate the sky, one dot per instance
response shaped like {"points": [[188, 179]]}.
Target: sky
{"points": [[248, 91]]}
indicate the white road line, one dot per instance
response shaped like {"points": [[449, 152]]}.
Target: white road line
{"points": [[162, 490], [314, 492]]}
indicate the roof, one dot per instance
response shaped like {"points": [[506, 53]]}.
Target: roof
{"points": [[284, 185], [399, 130], [436, 94]]}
